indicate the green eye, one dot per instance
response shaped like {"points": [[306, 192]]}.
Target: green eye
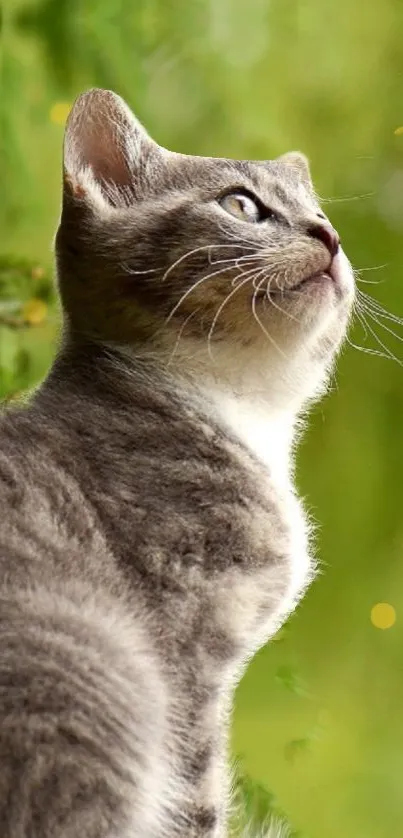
{"points": [[241, 206]]}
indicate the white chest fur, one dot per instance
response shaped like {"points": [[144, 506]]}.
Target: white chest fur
{"points": [[268, 435]]}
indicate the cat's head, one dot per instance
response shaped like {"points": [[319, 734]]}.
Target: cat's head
{"points": [[212, 262]]}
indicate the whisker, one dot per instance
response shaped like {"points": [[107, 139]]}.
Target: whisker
{"points": [[366, 349], [360, 348], [223, 304], [389, 354], [358, 271], [367, 281], [259, 322], [231, 247], [368, 303], [371, 268], [366, 308], [256, 279], [236, 259], [348, 198], [126, 268], [189, 253], [281, 310], [180, 333], [244, 273], [192, 288], [384, 326], [359, 312], [250, 243]]}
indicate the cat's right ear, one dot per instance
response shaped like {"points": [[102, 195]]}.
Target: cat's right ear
{"points": [[106, 151], [299, 163]]}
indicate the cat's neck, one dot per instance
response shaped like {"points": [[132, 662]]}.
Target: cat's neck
{"points": [[240, 400], [268, 433], [256, 402]]}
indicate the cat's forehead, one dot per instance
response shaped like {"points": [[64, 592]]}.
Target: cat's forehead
{"points": [[271, 180]]}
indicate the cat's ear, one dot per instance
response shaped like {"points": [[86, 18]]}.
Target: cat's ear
{"points": [[297, 161], [105, 149]]}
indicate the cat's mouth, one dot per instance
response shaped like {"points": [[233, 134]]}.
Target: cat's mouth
{"points": [[332, 276], [316, 278]]}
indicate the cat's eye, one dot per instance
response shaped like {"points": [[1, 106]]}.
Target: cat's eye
{"points": [[242, 207]]}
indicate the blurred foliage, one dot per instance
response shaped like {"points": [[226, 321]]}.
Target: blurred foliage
{"points": [[318, 715], [25, 295]]}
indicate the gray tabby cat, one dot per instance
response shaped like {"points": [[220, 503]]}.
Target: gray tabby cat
{"points": [[150, 537]]}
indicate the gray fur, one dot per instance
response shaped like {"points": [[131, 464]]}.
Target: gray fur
{"points": [[146, 550]]}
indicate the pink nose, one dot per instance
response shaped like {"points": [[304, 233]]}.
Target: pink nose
{"points": [[326, 234]]}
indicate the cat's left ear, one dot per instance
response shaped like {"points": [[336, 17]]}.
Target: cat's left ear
{"points": [[105, 149], [297, 161]]}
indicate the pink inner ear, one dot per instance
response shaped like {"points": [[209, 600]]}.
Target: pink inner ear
{"points": [[107, 159], [103, 134]]}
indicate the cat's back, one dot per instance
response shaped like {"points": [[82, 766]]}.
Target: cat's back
{"points": [[44, 509], [83, 701]]}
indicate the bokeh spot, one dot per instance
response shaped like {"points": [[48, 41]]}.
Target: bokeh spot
{"points": [[34, 312], [59, 112], [383, 615]]}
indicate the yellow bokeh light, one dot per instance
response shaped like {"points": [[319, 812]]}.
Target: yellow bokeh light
{"points": [[383, 615], [34, 312], [59, 112], [398, 131]]}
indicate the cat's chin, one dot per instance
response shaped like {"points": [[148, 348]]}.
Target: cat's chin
{"points": [[321, 280], [317, 301]]}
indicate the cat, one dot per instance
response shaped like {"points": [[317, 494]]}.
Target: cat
{"points": [[151, 539]]}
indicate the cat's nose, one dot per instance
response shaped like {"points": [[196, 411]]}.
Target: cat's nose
{"points": [[324, 231]]}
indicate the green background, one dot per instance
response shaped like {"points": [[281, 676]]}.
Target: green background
{"points": [[319, 714]]}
